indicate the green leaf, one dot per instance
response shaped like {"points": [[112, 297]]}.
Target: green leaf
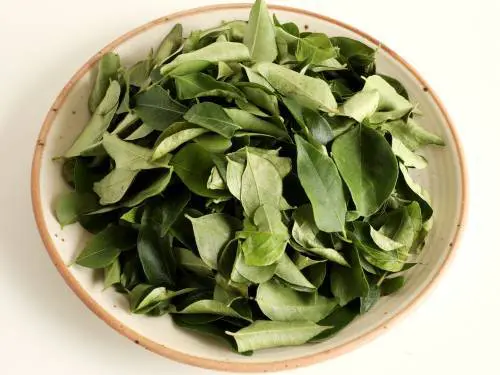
{"points": [[338, 319], [266, 245], [189, 67], [361, 105], [141, 132], [175, 140], [157, 109], [367, 165], [163, 214], [211, 307], [156, 188], [392, 285], [127, 155], [197, 85], [213, 53], [263, 334], [259, 34], [391, 105], [407, 156], [290, 273], [247, 121], [186, 259], [260, 184], [193, 165], [145, 298], [157, 257], [281, 303], [212, 117], [359, 57], [384, 242], [212, 232], [368, 301], [169, 44], [385, 260], [321, 181], [215, 181], [213, 143], [112, 274], [98, 123], [318, 126], [109, 64], [411, 134], [70, 206], [223, 70], [314, 48], [347, 284], [252, 273], [311, 92], [412, 191], [103, 248], [114, 185]]}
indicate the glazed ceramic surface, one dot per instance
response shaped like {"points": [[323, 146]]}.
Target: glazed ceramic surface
{"points": [[444, 179]]}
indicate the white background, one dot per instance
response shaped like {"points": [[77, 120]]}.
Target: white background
{"points": [[45, 329]]}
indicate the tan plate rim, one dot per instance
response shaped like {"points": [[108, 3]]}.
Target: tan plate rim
{"points": [[172, 353]]}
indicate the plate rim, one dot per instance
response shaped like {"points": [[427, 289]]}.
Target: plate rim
{"points": [[153, 346]]}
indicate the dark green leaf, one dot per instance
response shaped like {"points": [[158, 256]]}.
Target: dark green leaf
{"points": [[367, 165], [103, 248]]}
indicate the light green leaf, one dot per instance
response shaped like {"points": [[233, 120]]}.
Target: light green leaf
{"points": [[259, 34], [384, 242], [197, 85], [112, 274], [109, 64], [361, 105], [175, 140], [266, 245], [407, 156], [289, 272], [252, 273], [411, 134], [169, 44], [141, 132], [214, 143], [314, 48], [321, 181], [212, 232], [128, 155], [280, 303], [213, 53], [391, 105], [99, 122], [263, 334], [211, 307], [114, 185], [311, 92], [260, 184]]}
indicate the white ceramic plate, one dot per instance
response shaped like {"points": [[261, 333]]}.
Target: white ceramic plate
{"points": [[444, 179]]}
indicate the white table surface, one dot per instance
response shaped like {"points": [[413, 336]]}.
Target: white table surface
{"points": [[45, 329]]}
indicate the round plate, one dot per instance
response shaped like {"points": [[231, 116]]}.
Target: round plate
{"points": [[444, 179]]}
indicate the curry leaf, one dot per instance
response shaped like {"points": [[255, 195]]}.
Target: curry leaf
{"points": [[367, 165], [263, 334], [212, 117], [107, 72], [102, 249], [259, 34], [321, 181], [212, 232]]}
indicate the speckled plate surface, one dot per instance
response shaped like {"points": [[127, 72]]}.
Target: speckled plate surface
{"points": [[444, 179]]}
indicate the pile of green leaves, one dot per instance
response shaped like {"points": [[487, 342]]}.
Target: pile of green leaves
{"points": [[251, 180]]}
